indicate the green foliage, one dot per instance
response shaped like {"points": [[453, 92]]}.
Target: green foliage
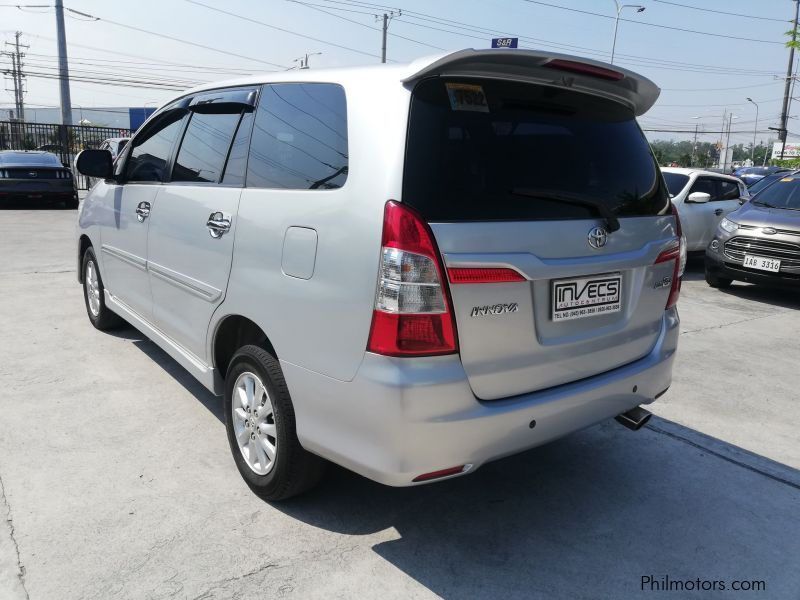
{"points": [[706, 154], [790, 163]]}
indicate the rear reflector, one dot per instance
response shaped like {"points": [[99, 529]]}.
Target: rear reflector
{"points": [[584, 69], [438, 474], [502, 275]]}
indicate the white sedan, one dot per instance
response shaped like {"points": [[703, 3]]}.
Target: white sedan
{"points": [[702, 199]]}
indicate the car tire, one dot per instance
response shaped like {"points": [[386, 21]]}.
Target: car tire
{"points": [[94, 294], [715, 281], [259, 415]]}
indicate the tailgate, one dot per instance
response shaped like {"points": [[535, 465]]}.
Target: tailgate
{"points": [[511, 337], [523, 174]]}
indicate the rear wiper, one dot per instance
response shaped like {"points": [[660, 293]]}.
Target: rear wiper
{"points": [[612, 223]]}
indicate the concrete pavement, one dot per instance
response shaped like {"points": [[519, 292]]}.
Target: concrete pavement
{"points": [[118, 481]]}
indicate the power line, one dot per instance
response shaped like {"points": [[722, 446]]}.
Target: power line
{"points": [[179, 40], [318, 8], [263, 24], [724, 12], [722, 35]]}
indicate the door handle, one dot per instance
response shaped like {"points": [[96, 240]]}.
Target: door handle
{"points": [[718, 212], [142, 211], [218, 223]]}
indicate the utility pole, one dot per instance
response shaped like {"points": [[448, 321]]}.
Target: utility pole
{"points": [[620, 7], [755, 132], [786, 90], [17, 75], [63, 67], [694, 146], [386, 18]]}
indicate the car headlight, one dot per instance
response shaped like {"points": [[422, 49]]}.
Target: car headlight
{"points": [[728, 225]]}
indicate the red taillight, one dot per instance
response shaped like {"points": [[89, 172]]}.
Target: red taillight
{"points": [[484, 275], [413, 314], [674, 252], [584, 69]]}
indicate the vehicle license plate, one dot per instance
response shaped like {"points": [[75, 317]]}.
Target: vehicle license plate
{"points": [[587, 296], [761, 263]]}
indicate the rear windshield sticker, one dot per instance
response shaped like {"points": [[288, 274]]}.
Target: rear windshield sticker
{"points": [[466, 96], [788, 179]]}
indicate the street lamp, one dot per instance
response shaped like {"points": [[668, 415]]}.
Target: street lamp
{"points": [[620, 8], [755, 132]]}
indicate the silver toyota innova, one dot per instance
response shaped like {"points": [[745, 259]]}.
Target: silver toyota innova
{"points": [[407, 270]]}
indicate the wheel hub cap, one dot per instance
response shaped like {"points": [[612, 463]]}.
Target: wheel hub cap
{"points": [[254, 423], [92, 288]]}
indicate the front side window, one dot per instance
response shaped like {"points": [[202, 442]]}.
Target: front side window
{"points": [[705, 185], [205, 146], [299, 138], [149, 158], [728, 190]]}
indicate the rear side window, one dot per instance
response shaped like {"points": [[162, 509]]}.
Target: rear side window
{"points": [[205, 146], [149, 156], [299, 138], [473, 144]]}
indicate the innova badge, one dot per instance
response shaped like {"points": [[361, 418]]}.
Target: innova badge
{"points": [[598, 237]]}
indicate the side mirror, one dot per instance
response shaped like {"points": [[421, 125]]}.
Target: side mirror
{"points": [[696, 197], [95, 163]]}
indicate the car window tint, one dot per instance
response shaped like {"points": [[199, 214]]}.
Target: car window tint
{"points": [[705, 185], [728, 190], [204, 147], [299, 139], [675, 182], [472, 143], [149, 157], [237, 159]]}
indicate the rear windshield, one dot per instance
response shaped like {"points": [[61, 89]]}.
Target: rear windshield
{"points": [[29, 159], [675, 182], [489, 150], [783, 194]]}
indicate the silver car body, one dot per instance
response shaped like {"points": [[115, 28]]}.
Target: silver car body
{"points": [[700, 219], [302, 265]]}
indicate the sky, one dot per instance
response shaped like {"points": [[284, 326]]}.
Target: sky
{"points": [[145, 52]]}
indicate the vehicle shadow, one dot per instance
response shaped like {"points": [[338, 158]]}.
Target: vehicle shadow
{"points": [[587, 516], [211, 402]]}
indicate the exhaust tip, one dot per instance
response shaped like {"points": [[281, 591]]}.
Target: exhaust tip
{"points": [[635, 418]]}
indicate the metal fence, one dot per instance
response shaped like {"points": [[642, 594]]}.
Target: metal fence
{"points": [[65, 141]]}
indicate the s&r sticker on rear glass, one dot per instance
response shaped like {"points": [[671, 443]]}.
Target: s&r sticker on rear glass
{"points": [[467, 96]]}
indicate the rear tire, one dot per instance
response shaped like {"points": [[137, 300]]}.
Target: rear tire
{"points": [[259, 419], [94, 295], [715, 281]]}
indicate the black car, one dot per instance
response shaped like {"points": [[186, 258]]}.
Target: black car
{"points": [[30, 176]]}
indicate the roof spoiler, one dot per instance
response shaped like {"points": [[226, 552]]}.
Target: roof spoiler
{"points": [[546, 68]]}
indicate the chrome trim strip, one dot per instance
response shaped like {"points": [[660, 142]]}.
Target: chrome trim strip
{"points": [[126, 257], [184, 282]]}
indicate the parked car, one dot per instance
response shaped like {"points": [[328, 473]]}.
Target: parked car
{"points": [[702, 199], [760, 242], [29, 176], [114, 145], [767, 181], [406, 296], [751, 175]]}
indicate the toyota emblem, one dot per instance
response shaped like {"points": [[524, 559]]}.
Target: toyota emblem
{"points": [[598, 237]]}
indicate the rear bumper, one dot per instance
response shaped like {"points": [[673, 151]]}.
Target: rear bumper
{"points": [[12, 191], [400, 418], [716, 265]]}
